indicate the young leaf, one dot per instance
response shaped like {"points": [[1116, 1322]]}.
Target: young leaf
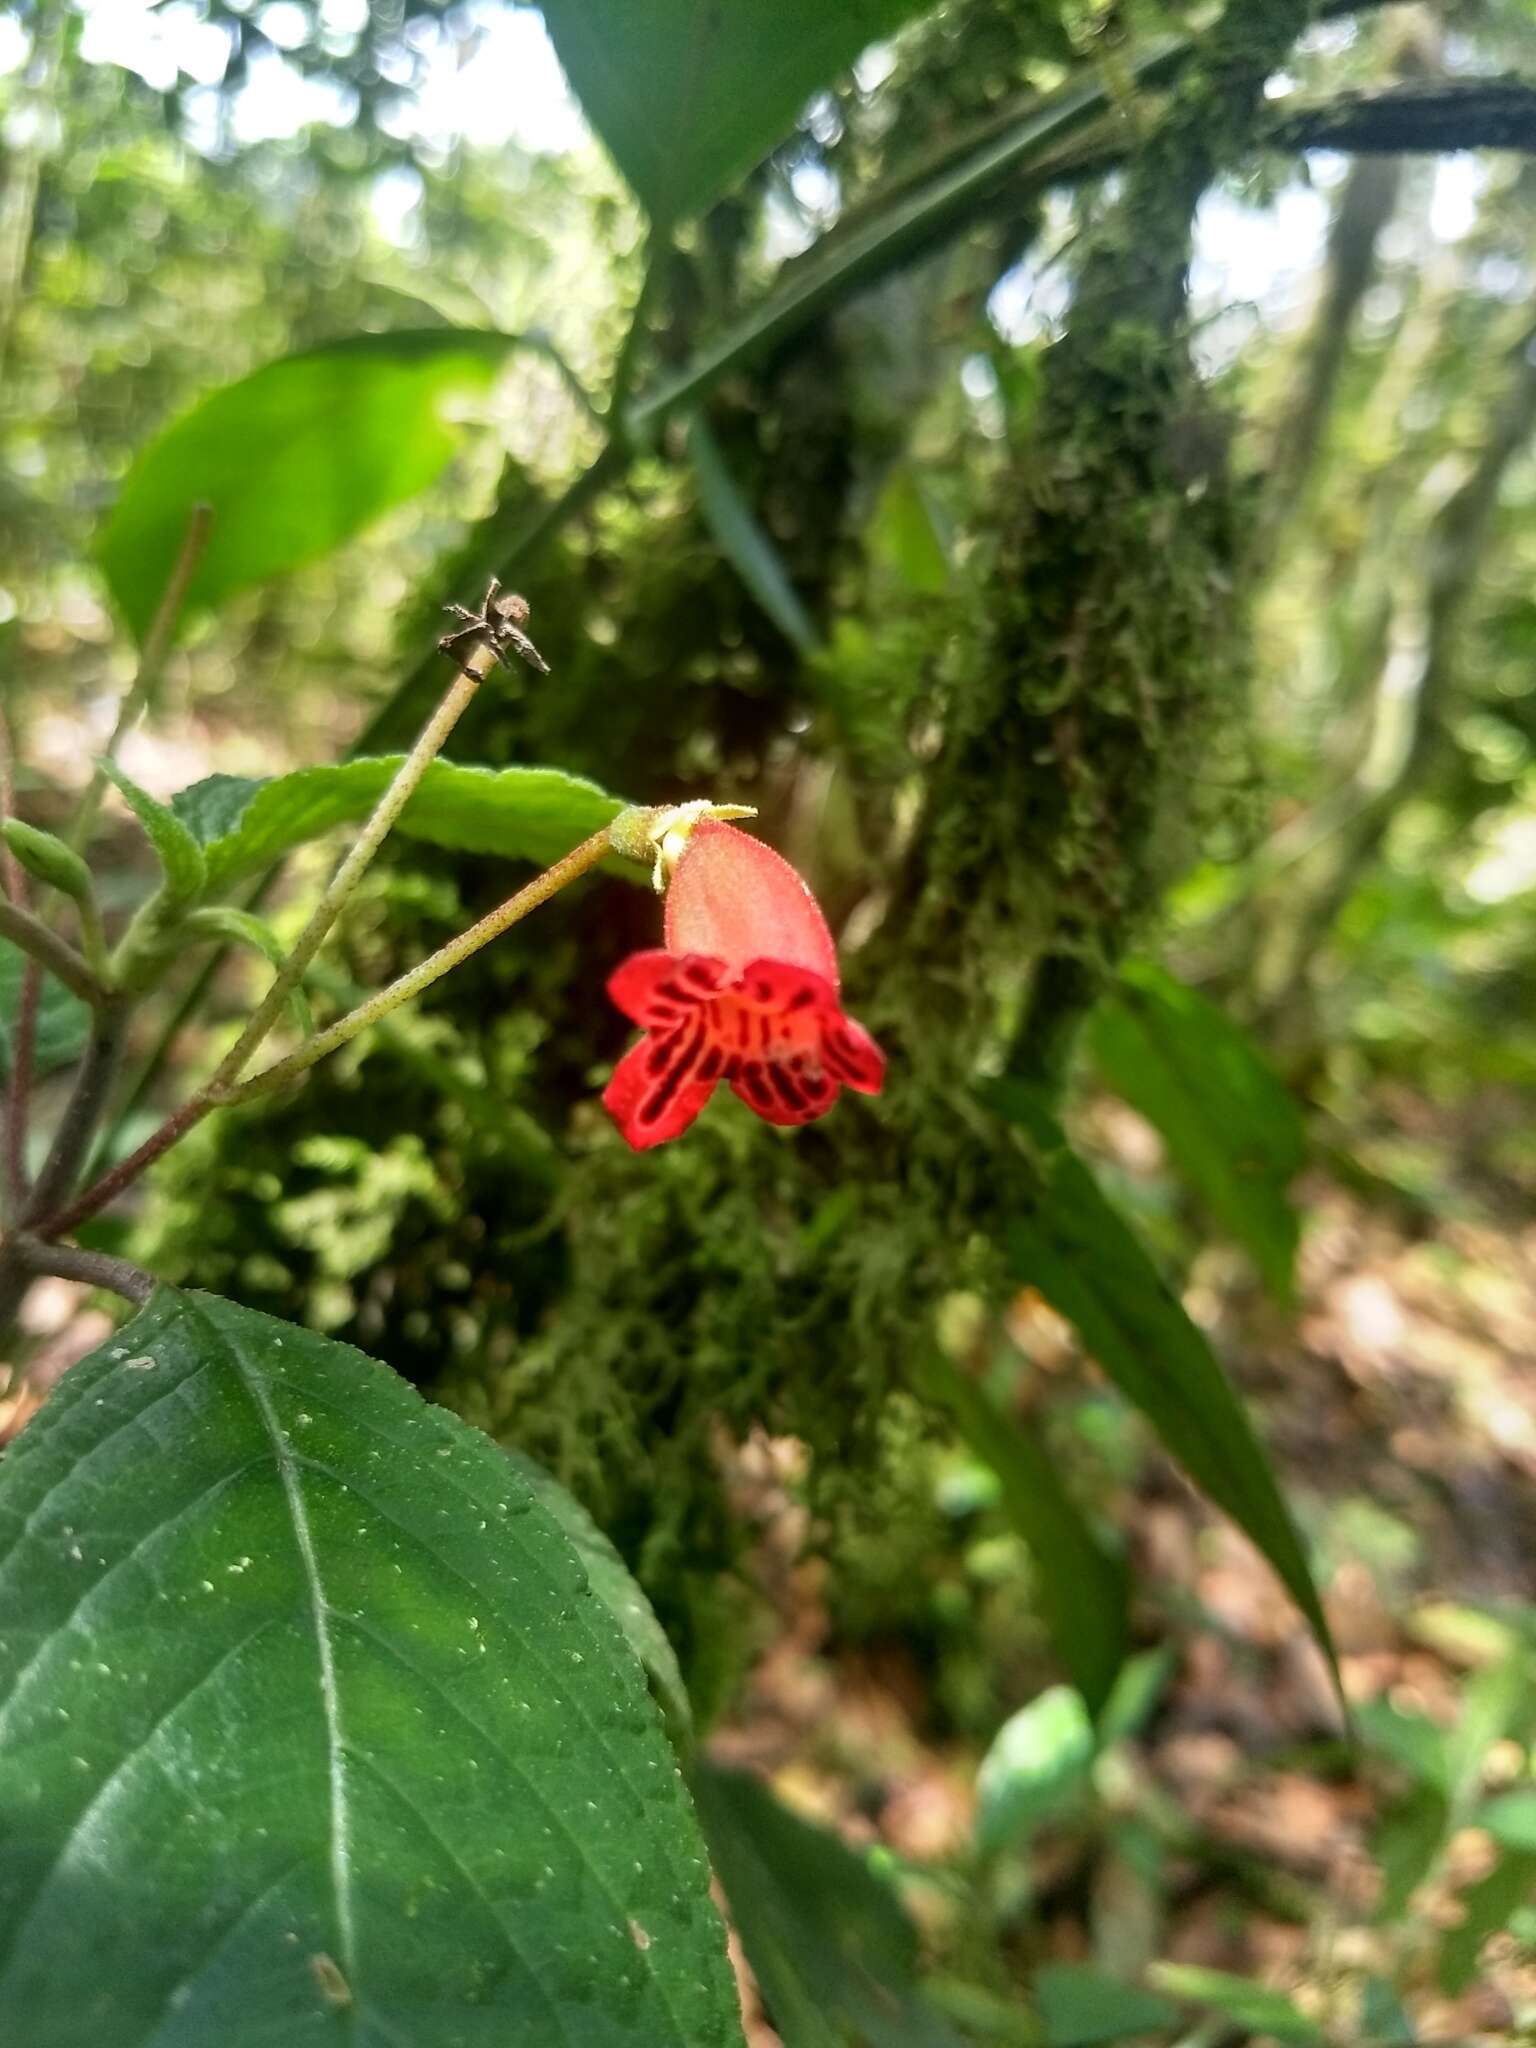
{"points": [[742, 540], [535, 814], [63, 1020], [689, 97], [303, 1668], [1230, 1125], [1083, 1587], [45, 856], [1085, 1261], [1036, 1768], [243, 928], [181, 858], [614, 1585], [1252, 2006], [292, 460], [1080, 2007], [1383, 2022], [833, 1954]]}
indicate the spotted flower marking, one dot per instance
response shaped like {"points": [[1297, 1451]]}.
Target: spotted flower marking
{"points": [[745, 993]]}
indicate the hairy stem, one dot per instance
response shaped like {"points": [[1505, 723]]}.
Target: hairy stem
{"points": [[82, 1113], [92, 1269], [18, 1095], [152, 656], [50, 951], [580, 861], [223, 1089], [346, 878]]}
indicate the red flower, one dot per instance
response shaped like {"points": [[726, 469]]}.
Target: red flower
{"points": [[746, 992]]}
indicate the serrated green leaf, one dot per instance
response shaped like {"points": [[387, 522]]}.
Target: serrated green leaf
{"points": [[534, 814], [834, 1955], [301, 1668], [63, 1020], [244, 928], [1083, 1258], [1083, 1587], [181, 858], [1251, 2005], [1035, 1769], [1080, 2006], [688, 96], [742, 540], [614, 1584], [292, 460], [1229, 1123]]}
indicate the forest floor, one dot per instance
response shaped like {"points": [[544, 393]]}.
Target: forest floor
{"points": [[1399, 1402]]}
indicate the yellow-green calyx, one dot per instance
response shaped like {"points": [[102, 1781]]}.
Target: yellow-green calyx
{"points": [[658, 833]]}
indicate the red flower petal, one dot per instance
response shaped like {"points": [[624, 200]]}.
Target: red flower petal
{"points": [[655, 1093], [658, 989], [734, 899]]}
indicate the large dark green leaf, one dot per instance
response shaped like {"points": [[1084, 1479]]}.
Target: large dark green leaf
{"points": [[63, 1020], [833, 1954], [311, 1728], [614, 1584], [688, 94], [534, 814], [292, 460], [1230, 1125], [1083, 1587], [1080, 1254]]}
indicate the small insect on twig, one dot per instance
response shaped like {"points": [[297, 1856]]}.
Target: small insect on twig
{"points": [[499, 624]]}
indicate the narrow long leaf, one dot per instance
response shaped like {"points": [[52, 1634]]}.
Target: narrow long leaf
{"points": [[749, 550], [1085, 1261], [1083, 1587]]}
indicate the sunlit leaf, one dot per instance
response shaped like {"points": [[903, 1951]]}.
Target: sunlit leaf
{"points": [[181, 858], [532, 814], [1230, 1125], [1240, 1999], [1035, 1770], [292, 460], [311, 1728], [1084, 1259], [688, 94]]}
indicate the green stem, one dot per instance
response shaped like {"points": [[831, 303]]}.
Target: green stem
{"points": [[580, 861], [152, 656], [50, 951], [222, 1089], [91, 1269], [346, 878]]}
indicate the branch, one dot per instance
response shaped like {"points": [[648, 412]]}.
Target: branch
{"points": [[91, 1269], [1448, 114], [25, 931]]}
